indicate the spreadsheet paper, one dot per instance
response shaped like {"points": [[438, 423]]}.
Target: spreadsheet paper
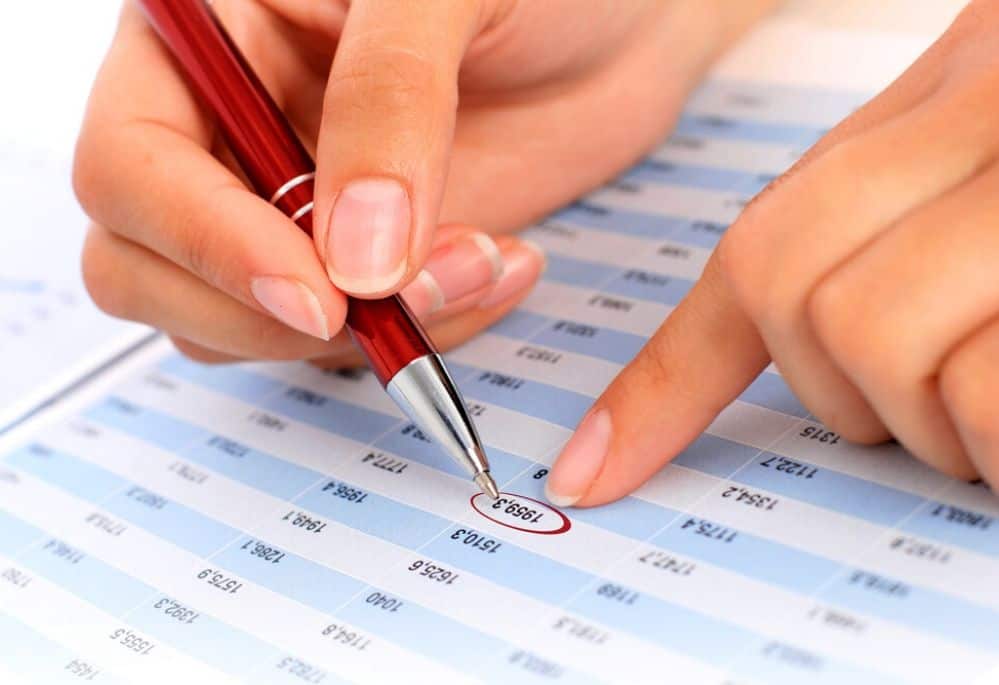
{"points": [[277, 523]]}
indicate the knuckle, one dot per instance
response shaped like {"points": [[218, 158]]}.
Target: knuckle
{"points": [[836, 316], [968, 387], [743, 263], [850, 325], [101, 275]]}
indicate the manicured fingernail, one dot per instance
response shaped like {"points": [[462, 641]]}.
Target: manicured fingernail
{"points": [[581, 460], [368, 241], [454, 270], [521, 267], [292, 303]]}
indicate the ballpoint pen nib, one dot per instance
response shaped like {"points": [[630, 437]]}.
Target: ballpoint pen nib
{"points": [[488, 485]]}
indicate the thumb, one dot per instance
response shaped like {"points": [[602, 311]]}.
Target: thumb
{"points": [[698, 361], [385, 137]]}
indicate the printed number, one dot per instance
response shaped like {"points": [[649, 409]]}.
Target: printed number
{"points": [[790, 467], [749, 498], [667, 562], [344, 491], [820, 434], [300, 669], [521, 511], [580, 630], [300, 519], [176, 610], [433, 572], [230, 447], [268, 421], [263, 551], [385, 463], [16, 577], [618, 593], [188, 473], [106, 524], [709, 530], [921, 550], [962, 517], [63, 551], [383, 602], [501, 380], [836, 618], [535, 664], [415, 433], [351, 638], [876, 583], [793, 656], [539, 354], [219, 580], [306, 397], [131, 641], [142, 496], [81, 669], [540, 473], [476, 540]]}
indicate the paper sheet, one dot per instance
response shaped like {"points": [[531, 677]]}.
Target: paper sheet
{"points": [[273, 523]]}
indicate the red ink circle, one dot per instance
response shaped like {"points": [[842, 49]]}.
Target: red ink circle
{"points": [[566, 523]]}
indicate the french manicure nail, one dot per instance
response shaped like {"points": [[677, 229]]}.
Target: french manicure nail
{"points": [[581, 460], [368, 241], [459, 268], [521, 267], [292, 303]]}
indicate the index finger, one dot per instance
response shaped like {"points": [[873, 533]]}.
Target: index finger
{"points": [[699, 360], [145, 170]]}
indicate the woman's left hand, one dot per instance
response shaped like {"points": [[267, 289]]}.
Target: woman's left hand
{"points": [[869, 273]]}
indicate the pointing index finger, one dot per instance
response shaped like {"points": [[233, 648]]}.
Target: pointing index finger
{"points": [[699, 360]]}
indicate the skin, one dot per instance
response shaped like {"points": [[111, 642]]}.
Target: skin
{"points": [[452, 100], [866, 274]]}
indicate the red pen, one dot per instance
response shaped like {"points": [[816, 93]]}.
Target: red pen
{"points": [[282, 171]]}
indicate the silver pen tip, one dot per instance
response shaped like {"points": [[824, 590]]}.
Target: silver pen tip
{"points": [[487, 484]]}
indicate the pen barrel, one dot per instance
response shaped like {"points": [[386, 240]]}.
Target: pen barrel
{"points": [[388, 334], [253, 126], [275, 162]]}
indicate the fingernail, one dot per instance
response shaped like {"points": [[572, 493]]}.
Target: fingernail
{"points": [[521, 267], [292, 303], [454, 270], [368, 241], [581, 460]]}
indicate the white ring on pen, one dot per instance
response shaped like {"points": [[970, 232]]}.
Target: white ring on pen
{"points": [[302, 211], [297, 181]]}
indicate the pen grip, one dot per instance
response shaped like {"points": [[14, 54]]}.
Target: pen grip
{"points": [[253, 126], [271, 155], [388, 334]]}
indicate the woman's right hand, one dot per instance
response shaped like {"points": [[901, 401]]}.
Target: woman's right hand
{"points": [[486, 112]]}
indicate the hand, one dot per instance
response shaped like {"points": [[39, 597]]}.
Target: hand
{"points": [[867, 273], [521, 104]]}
